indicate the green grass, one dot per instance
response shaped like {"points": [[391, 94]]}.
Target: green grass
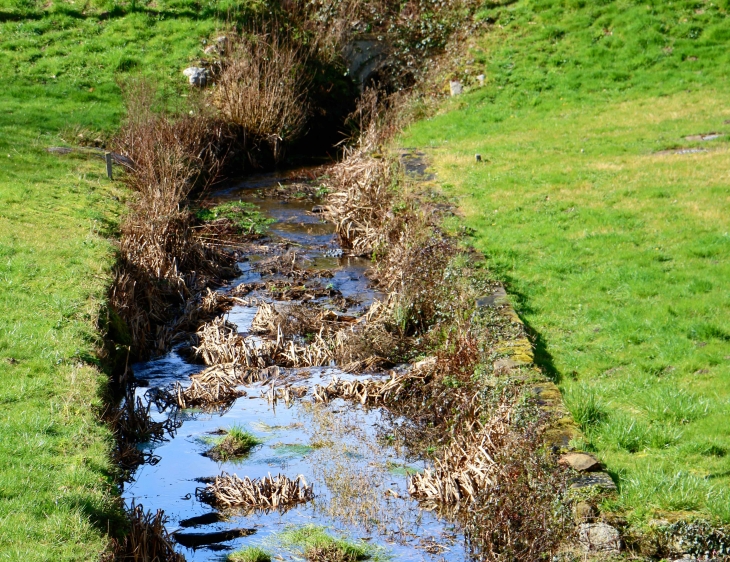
{"points": [[615, 253], [236, 443], [311, 539], [60, 67], [250, 554], [245, 216]]}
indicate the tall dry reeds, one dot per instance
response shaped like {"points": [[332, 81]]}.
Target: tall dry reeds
{"points": [[262, 87]]}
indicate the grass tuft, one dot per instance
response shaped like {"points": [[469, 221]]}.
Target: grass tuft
{"points": [[250, 554], [316, 544]]}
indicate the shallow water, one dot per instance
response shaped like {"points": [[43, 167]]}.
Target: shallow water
{"points": [[359, 474]]}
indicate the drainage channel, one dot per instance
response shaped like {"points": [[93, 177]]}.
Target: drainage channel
{"points": [[348, 453]]}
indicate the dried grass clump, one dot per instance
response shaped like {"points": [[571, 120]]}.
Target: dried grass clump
{"points": [[467, 466], [217, 385], [219, 342], [522, 517], [360, 205], [267, 492], [146, 541], [262, 87]]}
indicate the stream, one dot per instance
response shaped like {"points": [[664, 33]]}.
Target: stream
{"points": [[358, 469]]}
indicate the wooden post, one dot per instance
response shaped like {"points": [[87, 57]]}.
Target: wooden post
{"points": [[108, 158]]}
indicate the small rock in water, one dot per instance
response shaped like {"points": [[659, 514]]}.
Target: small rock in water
{"points": [[336, 253], [456, 87], [196, 76], [318, 209], [599, 537]]}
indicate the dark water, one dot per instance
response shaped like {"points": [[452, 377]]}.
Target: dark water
{"points": [[345, 451]]}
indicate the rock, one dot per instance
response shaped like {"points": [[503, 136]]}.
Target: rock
{"points": [[583, 512], [196, 76], [600, 480], [222, 43], [599, 537], [504, 365], [582, 462], [455, 87], [318, 209], [481, 79], [210, 50], [478, 157]]}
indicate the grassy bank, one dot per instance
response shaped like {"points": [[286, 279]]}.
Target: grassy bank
{"points": [[614, 245], [60, 65]]}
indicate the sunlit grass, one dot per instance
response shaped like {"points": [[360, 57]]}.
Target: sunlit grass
{"points": [[615, 251]]}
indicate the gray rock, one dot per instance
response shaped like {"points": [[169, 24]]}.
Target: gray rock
{"points": [[481, 79], [455, 87], [210, 50], [497, 298], [196, 76], [599, 537], [600, 480]]}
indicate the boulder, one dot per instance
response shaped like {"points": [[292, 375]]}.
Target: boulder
{"points": [[197, 76], [582, 462], [599, 537]]}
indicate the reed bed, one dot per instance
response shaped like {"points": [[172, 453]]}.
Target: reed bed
{"points": [[466, 466], [261, 493], [162, 264]]}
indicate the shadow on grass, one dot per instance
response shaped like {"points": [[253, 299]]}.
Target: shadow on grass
{"points": [[543, 358]]}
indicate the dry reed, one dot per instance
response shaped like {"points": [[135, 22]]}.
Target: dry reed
{"points": [[267, 492], [146, 541], [262, 88]]}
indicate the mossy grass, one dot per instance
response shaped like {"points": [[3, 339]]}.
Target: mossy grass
{"points": [[236, 443], [316, 543], [614, 247], [246, 216], [250, 554]]}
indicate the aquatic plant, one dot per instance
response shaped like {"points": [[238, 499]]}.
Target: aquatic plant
{"points": [[146, 539], [317, 545], [236, 443], [250, 554], [246, 217]]}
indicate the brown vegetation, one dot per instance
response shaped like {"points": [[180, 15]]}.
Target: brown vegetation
{"points": [[267, 492], [146, 541], [262, 88], [162, 264]]}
